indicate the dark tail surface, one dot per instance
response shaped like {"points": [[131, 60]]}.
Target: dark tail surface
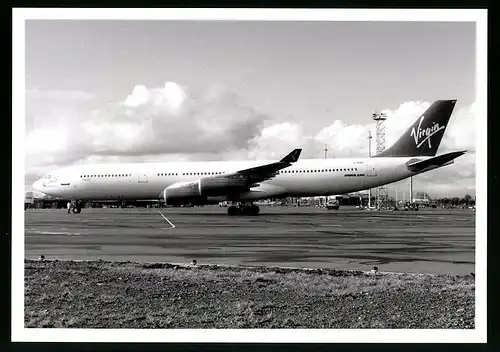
{"points": [[424, 137], [292, 157]]}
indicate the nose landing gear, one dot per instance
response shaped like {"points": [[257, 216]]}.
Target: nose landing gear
{"points": [[77, 207]]}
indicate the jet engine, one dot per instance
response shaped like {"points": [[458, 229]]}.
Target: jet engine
{"points": [[197, 192]]}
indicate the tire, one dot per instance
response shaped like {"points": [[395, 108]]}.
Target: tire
{"points": [[254, 210], [232, 210], [77, 210], [245, 210]]}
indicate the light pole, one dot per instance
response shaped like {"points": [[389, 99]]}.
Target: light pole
{"points": [[411, 190], [369, 155], [326, 152]]}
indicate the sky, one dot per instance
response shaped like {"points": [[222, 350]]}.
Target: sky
{"points": [[139, 91]]}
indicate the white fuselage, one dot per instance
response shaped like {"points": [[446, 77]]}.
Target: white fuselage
{"points": [[306, 177]]}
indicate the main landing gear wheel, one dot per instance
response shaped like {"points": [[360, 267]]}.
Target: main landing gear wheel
{"points": [[254, 209], [233, 210], [243, 210]]}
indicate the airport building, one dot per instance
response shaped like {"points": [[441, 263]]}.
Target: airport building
{"points": [[421, 198]]}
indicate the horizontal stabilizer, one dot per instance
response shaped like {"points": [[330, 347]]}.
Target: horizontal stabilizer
{"points": [[438, 161], [292, 157]]}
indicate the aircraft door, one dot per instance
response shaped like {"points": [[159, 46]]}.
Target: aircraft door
{"points": [[142, 178], [370, 170]]}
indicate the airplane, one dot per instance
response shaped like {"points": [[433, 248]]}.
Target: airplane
{"points": [[243, 182]]}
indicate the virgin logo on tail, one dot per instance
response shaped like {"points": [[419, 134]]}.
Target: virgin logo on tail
{"points": [[421, 135]]}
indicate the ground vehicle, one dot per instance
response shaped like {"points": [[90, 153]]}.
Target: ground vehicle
{"points": [[332, 205]]}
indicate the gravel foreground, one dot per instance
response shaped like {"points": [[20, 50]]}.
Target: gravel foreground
{"points": [[101, 294]]}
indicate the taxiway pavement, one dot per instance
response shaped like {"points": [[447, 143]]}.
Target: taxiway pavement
{"points": [[426, 241]]}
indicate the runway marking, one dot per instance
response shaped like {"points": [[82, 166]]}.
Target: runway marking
{"points": [[59, 233], [163, 216]]}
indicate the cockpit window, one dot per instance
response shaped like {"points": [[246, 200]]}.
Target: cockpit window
{"points": [[50, 178]]}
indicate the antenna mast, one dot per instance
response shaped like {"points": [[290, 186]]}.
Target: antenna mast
{"points": [[381, 193]]}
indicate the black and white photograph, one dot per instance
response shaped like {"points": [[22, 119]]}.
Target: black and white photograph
{"points": [[225, 175]]}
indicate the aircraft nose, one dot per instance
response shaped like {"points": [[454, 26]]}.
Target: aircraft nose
{"points": [[37, 185]]}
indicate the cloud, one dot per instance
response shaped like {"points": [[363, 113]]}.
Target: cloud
{"points": [[173, 122], [163, 120]]}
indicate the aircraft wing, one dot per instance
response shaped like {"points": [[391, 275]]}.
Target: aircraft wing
{"points": [[265, 172]]}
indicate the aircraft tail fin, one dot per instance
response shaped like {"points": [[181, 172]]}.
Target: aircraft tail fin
{"points": [[424, 136], [292, 157]]}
